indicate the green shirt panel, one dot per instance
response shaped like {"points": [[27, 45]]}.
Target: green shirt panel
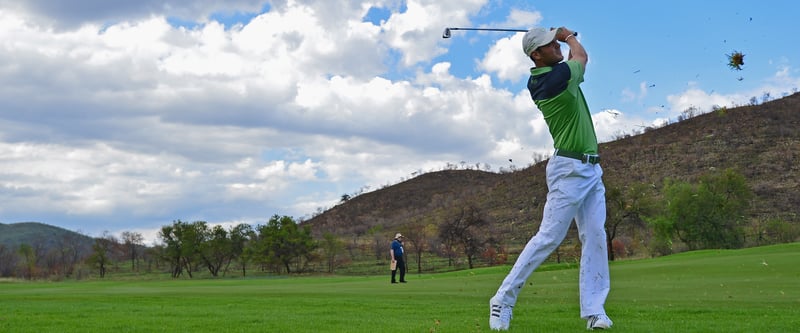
{"points": [[567, 114]]}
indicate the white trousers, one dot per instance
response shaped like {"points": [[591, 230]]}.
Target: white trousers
{"points": [[576, 191]]}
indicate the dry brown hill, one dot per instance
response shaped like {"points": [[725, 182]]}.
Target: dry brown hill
{"points": [[761, 141], [390, 207]]}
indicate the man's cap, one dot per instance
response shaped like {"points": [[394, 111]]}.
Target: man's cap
{"points": [[537, 37], [398, 236]]}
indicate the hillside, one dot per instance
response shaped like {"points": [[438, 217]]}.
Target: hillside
{"points": [[385, 207], [39, 234], [762, 142]]}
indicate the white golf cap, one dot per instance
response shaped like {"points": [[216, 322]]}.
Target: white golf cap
{"points": [[537, 37], [398, 236]]}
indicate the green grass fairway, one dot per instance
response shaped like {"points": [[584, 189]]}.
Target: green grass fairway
{"points": [[750, 290]]}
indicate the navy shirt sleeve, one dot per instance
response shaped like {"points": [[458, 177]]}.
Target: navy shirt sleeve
{"points": [[550, 84]]}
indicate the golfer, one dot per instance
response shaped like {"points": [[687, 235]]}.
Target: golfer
{"points": [[575, 187], [398, 258]]}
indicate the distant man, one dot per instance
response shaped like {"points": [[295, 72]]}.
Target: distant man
{"points": [[575, 187], [398, 258]]}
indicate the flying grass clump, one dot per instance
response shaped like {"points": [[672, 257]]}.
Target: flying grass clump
{"points": [[736, 60]]}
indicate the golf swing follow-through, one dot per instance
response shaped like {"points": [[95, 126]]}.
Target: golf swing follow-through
{"points": [[574, 179]]}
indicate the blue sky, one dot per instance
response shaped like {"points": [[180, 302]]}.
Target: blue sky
{"points": [[643, 52], [126, 116]]}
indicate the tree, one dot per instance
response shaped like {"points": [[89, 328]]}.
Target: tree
{"points": [[8, 261], [133, 241], [215, 248], [465, 229], [283, 242], [378, 241], [710, 214], [240, 236], [627, 207], [192, 236], [69, 252], [172, 247], [102, 252], [418, 233], [28, 255], [182, 245], [331, 246]]}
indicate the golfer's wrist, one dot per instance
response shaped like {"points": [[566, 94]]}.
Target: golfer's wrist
{"points": [[566, 39]]}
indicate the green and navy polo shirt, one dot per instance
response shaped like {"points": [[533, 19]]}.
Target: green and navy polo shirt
{"points": [[557, 93]]}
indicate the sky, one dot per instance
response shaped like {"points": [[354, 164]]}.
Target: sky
{"points": [[128, 115]]}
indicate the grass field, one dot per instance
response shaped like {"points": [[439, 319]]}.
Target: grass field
{"points": [[750, 290]]}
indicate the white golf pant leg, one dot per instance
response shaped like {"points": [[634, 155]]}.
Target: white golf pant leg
{"points": [[594, 280], [576, 191]]}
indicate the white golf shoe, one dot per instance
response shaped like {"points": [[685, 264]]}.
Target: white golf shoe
{"points": [[499, 315], [600, 322]]}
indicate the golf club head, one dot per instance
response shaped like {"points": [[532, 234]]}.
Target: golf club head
{"points": [[446, 33]]}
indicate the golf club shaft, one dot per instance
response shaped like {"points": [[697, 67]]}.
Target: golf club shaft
{"points": [[446, 33], [489, 29]]}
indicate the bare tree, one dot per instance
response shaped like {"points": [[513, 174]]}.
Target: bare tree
{"points": [[418, 233], [379, 245], [133, 242], [465, 229], [626, 209], [8, 260], [67, 253], [331, 246]]}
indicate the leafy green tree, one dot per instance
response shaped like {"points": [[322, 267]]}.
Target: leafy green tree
{"points": [[182, 245], [282, 242], [240, 236], [215, 248], [102, 252], [193, 235], [710, 214], [172, 247], [661, 244], [28, 255]]}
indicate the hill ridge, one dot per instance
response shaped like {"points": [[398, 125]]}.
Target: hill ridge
{"points": [[760, 141]]}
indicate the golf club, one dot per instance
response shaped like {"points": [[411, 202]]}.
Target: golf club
{"points": [[446, 33]]}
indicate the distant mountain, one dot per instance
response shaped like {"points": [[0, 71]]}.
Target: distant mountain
{"points": [[39, 234], [762, 142]]}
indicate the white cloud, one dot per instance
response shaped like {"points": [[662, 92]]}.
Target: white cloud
{"points": [[416, 32], [629, 95], [522, 18], [64, 15], [505, 59]]}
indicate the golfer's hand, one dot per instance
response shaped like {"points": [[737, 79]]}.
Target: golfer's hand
{"points": [[563, 33]]}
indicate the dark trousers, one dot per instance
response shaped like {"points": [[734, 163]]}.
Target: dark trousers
{"points": [[401, 266]]}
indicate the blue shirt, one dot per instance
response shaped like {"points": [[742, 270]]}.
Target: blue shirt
{"points": [[397, 247]]}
